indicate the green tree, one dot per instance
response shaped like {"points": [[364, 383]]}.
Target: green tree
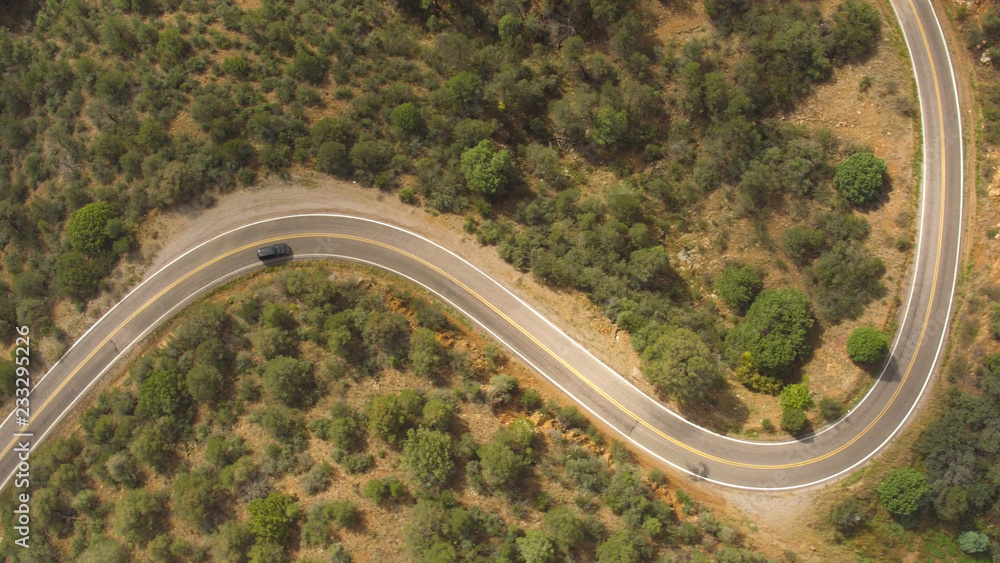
{"points": [[848, 516], [172, 48], [427, 455], [846, 278], [855, 30], [624, 546], [406, 117], [438, 414], [739, 285], [536, 547], [488, 171], [123, 469], [802, 244], [775, 332], [273, 517], [119, 35], [860, 178], [565, 529], [290, 381], [867, 345], [103, 550], [154, 445], [232, 542], [973, 542], [138, 515], [680, 364], [114, 87], [163, 393], [77, 276], [195, 500], [386, 336], [466, 91], [86, 228], [204, 383], [331, 157], [505, 458], [610, 127], [390, 416], [307, 65], [793, 420], [796, 396], [724, 13], [648, 267], [903, 491], [425, 352]]}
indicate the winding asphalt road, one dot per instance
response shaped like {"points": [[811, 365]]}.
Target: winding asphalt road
{"points": [[647, 424]]}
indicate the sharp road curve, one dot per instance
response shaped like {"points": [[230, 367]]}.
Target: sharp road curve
{"points": [[758, 466]]}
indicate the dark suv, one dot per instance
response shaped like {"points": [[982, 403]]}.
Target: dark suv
{"points": [[272, 252]]}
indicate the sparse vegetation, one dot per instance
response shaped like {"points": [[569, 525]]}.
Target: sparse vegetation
{"points": [[252, 478]]}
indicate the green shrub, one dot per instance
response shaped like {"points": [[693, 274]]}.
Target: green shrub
{"points": [[488, 171], [867, 345], [571, 417], [272, 517], [748, 375], [973, 542], [681, 365], [383, 490], [427, 455], [502, 390], [903, 491], [138, 515], [354, 463], [775, 332], [793, 420], [860, 178], [994, 320], [317, 479], [830, 409], [796, 396], [739, 285], [531, 400], [802, 244], [86, 228], [855, 29], [406, 117], [846, 278], [290, 381], [848, 516]]}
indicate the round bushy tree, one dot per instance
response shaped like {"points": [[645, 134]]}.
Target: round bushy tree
{"points": [[860, 178], [86, 225], [487, 170], [867, 345], [406, 117], [973, 542], [796, 396], [856, 25], [681, 364], [793, 420], [739, 285], [776, 331], [272, 518], [903, 491], [427, 454]]}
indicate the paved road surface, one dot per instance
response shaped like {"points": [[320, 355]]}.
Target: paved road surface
{"points": [[759, 466]]}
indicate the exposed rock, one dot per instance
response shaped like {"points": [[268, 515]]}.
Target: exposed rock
{"points": [[985, 59]]}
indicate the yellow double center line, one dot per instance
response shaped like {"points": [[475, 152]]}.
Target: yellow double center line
{"points": [[551, 353]]}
